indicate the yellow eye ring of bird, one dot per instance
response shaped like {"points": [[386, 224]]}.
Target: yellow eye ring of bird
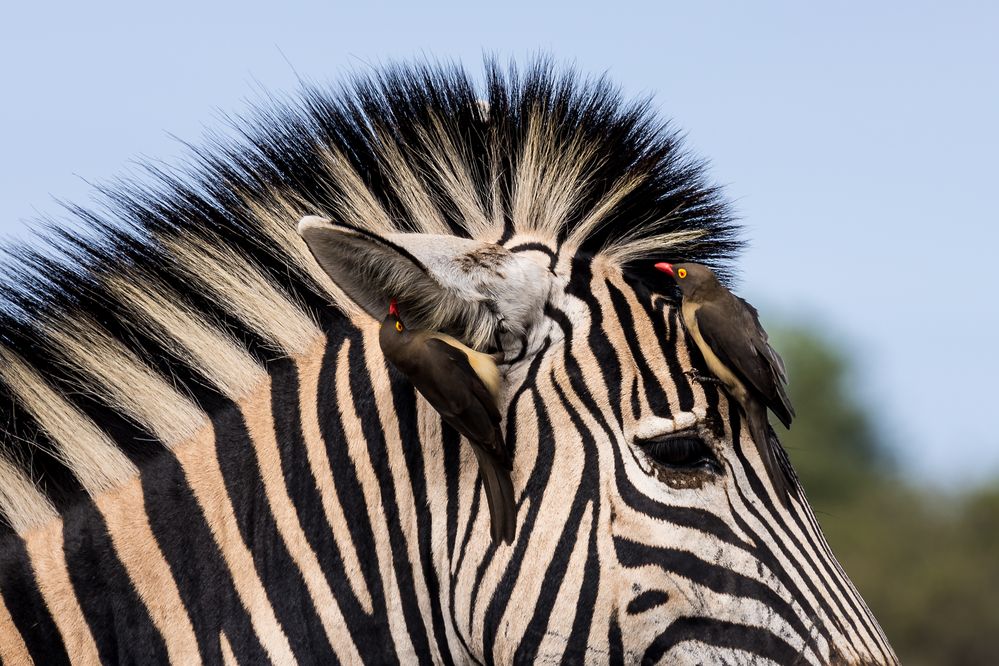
{"points": [[682, 273], [398, 326]]}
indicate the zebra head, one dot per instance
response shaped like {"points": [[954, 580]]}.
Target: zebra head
{"points": [[648, 529], [206, 458]]}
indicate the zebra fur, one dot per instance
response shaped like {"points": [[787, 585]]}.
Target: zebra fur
{"points": [[205, 457]]}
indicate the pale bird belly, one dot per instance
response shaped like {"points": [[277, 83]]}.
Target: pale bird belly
{"points": [[717, 368], [482, 364]]}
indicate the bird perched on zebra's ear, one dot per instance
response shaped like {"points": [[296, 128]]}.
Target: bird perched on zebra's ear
{"points": [[727, 331], [463, 386]]}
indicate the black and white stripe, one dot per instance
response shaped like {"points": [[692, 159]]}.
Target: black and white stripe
{"points": [[205, 457]]}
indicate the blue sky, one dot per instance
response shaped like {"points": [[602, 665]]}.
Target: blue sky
{"points": [[859, 141]]}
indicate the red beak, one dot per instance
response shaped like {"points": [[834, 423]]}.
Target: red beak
{"points": [[393, 308], [665, 268]]}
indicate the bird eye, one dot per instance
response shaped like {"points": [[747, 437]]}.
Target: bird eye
{"points": [[398, 326], [682, 273], [680, 452]]}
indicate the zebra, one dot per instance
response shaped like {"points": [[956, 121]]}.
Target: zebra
{"points": [[206, 459]]}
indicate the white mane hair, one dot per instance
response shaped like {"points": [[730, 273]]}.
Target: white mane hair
{"points": [[185, 286]]}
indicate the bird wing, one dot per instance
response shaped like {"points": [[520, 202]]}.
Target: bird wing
{"points": [[444, 375], [462, 399], [737, 339], [776, 362]]}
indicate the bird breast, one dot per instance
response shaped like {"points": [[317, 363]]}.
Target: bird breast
{"points": [[717, 368]]}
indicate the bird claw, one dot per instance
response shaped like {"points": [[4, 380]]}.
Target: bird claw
{"points": [[693, 375]]}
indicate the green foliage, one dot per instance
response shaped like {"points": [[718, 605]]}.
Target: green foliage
{"points": [[927, 563]]}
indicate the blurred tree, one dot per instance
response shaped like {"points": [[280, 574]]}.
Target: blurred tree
{"points": [[927, 563]]}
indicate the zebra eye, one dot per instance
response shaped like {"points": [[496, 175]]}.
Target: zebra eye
{"points": [[680, 452]]}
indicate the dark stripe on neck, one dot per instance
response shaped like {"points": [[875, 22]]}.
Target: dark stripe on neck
{"points": [[286, 391], [118, 619], [371, 630], [404, 403], [203, 578], [274, 565], [363, 396], [26, 605]]}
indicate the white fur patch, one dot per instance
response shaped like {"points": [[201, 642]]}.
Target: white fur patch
{"points": [[475, 289], [651, 427]]}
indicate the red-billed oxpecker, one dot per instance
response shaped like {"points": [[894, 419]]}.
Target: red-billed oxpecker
{"points": [[727, 331], [463, 386]]}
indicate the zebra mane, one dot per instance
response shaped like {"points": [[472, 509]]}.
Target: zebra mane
{"points": [[183, 288]]}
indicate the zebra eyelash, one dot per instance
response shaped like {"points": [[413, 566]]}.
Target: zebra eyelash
{"points": [[683, 451]]}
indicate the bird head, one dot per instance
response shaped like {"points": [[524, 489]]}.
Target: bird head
{"points": [[689, 277], [393, 318]]}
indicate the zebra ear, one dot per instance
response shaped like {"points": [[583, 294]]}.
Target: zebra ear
{"points": [[478, 292]]}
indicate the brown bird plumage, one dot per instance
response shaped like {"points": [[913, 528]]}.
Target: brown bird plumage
{"points": [[727, 331], [463, 386]]}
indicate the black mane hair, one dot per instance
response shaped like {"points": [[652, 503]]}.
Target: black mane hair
{"points": [[366, 154]]}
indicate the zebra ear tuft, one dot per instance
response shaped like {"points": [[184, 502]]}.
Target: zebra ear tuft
{"points": [[368, 268], [478, 292]]}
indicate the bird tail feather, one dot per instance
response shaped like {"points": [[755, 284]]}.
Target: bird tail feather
{"points": [[499, 496], [768, 445]]}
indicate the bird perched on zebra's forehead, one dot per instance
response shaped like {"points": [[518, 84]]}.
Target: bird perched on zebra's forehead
{"points": [[463, 386], [727, 331]]}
